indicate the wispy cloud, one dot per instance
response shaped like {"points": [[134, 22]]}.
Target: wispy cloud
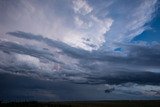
{"points": [[82, 7]]}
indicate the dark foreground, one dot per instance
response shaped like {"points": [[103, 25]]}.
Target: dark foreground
{"points": [[85, 104]]}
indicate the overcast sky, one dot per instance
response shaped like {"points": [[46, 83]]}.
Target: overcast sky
{"points": [[79, 50]]}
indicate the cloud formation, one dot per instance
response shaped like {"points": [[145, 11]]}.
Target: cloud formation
{"points": [[111, 68], [91, 26], [79, 43]]}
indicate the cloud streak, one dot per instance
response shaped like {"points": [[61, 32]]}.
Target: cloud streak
{"points": [[137, 55]]}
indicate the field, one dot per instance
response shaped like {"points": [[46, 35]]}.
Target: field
{"points": [[84, 104]]}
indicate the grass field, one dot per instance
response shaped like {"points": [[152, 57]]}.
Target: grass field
{"points": [[84, 104]]}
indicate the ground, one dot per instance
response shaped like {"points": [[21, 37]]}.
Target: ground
{"points": [[154, 103]]}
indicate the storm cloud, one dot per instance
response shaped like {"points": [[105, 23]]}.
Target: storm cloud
{"points": [[136, 55], [79, 50]]}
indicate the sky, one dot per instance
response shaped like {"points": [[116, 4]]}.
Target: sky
{"points": [[79, 50]]}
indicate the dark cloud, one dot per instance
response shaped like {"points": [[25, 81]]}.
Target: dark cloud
{"points": [[153, 92], [99, 67], [136, 54], [28, 50], [22, 88], [38, 67], [121, 77], [21, 34], [109, 89], [71, 51], [144, 55]]}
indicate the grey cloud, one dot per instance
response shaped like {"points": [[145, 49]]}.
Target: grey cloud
{"points": [[121, 77], [28, 50], [80, 70], [67, 49], [144, 55], [71, 51], [26, 88], [153, 92], [137, 89], [10, 64], [111, 77], [137, 55], [109, 90]]}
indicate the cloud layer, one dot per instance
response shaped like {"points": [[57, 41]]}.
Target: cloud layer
{"points": [[89, 67], [79, 43]]}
